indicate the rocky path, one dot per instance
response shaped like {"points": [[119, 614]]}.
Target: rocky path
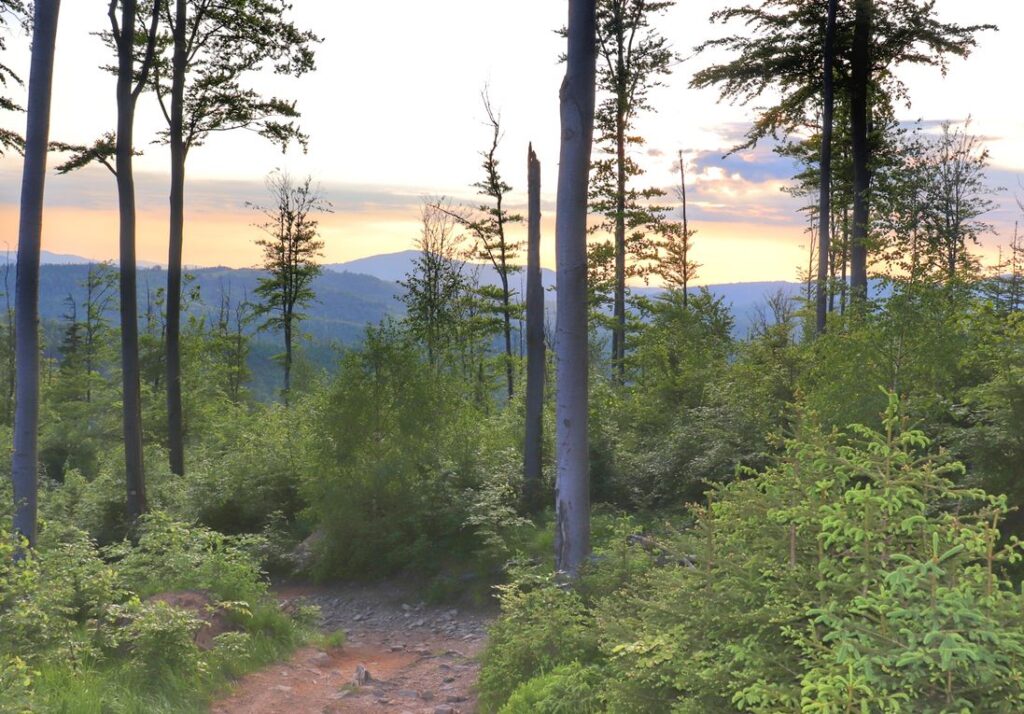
{"points": [[400, 656]]}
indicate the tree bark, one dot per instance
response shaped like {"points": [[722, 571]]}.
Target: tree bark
{"points": [[24, 462], [506, 309], [686, 233], [572, 489], [860, 77], [825, 193], [135, 480], [175, 417], [533, 448]]}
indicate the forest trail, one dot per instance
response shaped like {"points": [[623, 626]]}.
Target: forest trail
{"points": [[417, 658]]}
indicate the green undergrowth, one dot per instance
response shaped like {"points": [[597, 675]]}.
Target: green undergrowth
{"points": [[856, 574], [80, 632]]}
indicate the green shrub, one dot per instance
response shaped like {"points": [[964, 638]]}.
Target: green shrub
{"points": [[249, 469], [76, 637], [394, 455], [855, 575], [542, 626], [157, 637], [15, 685], [51, 600], [171, 555], [568, 689]]}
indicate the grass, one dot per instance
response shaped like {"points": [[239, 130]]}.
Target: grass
{"points": [[329, 640], [123, 686]]}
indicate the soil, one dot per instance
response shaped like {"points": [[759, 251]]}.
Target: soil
{"points": [[400, 655]]}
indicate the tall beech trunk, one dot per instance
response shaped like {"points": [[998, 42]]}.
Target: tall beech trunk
{"points": [[572, 487], [532, 450], [24, 462], [825, 192], [175, 418], [860, 79], [130, 83]]}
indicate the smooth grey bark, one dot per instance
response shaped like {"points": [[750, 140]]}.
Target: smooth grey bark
{"points": [[128, 91], [535, 353], [860, 79], [825, 191], [24, 462], [175, 413], [572, 486]]}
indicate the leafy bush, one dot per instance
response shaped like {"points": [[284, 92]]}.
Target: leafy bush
{"points": [[394, 455], [171, 555], [159, 637], [76, 637], [542, 626], [568, 689], [856, 575], [249, 469], [15, 685]]}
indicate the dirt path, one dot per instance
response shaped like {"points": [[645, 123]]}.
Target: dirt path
{"points": [[417, 658]]}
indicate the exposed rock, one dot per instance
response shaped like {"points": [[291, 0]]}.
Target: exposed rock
{"points": [[304, 555], [215, 619], [320, 659]]}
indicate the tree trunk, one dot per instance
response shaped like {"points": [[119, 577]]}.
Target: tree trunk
{"points": [[686, 233], [860, 78], [506, 307], [24, 463], [619, 334], [825, 193], [572, 488], [130, 371], [532, 451], [175, 418]]}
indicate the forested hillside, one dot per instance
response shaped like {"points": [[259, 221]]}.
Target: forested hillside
{"points": [[449, 479], [345, 304]]}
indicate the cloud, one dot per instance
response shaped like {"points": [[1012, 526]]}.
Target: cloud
{"points": [[94, 188], [742, 187]]}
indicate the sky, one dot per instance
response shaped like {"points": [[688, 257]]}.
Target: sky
{"points": [[394, 115]]}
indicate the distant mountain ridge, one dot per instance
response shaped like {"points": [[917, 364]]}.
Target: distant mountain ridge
{"points": [[394, 267], [47, 257], [744, 299], [349, 296], [354, 293]]}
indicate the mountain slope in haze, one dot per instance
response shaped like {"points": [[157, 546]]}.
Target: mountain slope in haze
{"points": [[345, 302], [395, 266], [350, 295], [48, 258], [744, 299]]}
